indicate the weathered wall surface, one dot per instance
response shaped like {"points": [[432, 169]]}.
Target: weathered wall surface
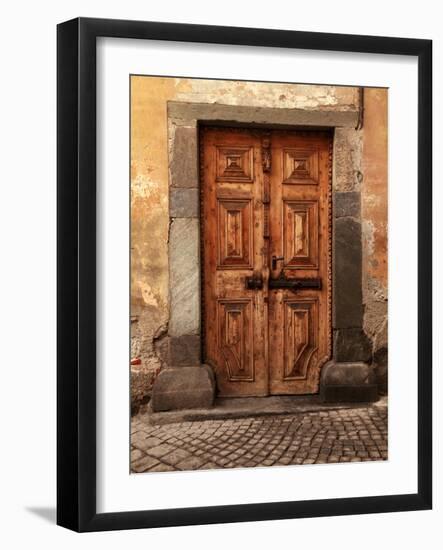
{"points": [[375, 230], [150, 176]]}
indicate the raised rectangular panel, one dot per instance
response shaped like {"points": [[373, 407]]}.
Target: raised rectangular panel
{"points": [[300, 234], [235, 338], [234, 164], [300, 166], [234, 235], [300, 336]]}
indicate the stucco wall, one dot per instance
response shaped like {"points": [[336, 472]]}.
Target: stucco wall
{"points": [[149, 190], [375, 226]]}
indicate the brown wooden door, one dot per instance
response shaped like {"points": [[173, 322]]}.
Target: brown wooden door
{"points": [[266, 259]]}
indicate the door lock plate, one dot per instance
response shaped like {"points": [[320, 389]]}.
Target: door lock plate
{"points": [[294, 284], [254, 283]]}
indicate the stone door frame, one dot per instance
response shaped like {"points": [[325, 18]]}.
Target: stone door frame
{"points": [[351, 346]]}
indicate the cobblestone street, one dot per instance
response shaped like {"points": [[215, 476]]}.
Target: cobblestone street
{"points": [[342, 435]]}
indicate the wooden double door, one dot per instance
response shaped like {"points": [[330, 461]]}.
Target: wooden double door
{"points": [[266, 251]]}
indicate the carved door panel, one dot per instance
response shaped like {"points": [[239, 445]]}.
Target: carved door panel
{"points": [[234, 317], [299, 318], [264, 195]]}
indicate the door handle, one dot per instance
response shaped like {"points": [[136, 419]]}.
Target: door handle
{"points": [[274, 261], [254, 283]]}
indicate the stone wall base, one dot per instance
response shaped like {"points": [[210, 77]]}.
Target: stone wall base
{"points": [[183, 388], [348, 382]]}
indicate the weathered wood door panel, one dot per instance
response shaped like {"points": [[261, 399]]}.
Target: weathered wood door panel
{"points": [[265, 223], [235, 327], [299, 322]]}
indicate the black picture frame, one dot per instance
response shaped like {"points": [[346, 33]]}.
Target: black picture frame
{"points": [[76, 265]]}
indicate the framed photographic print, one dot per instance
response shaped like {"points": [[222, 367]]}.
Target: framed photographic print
{"points": [[244, 274]]}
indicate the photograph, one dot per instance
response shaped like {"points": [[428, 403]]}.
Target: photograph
{"points": [[259, 274], [221, 299]]}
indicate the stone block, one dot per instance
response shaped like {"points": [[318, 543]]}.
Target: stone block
{"points": [[349, 394], [347, 204], [184, 272], [347, 159], [347, 302], [184, 350], [184, 162], [352, 344], [183, 388], [340, 374], [183, 203], [348, 382]]}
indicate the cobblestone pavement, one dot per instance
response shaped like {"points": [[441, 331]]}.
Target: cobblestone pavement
{"points": [[343, 435]]}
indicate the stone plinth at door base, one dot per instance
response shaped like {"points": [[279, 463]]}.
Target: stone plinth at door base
{"points": [[348, 382], [183, 388]]}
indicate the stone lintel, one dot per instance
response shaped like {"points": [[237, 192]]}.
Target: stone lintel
{"points": [[186, 114]]}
